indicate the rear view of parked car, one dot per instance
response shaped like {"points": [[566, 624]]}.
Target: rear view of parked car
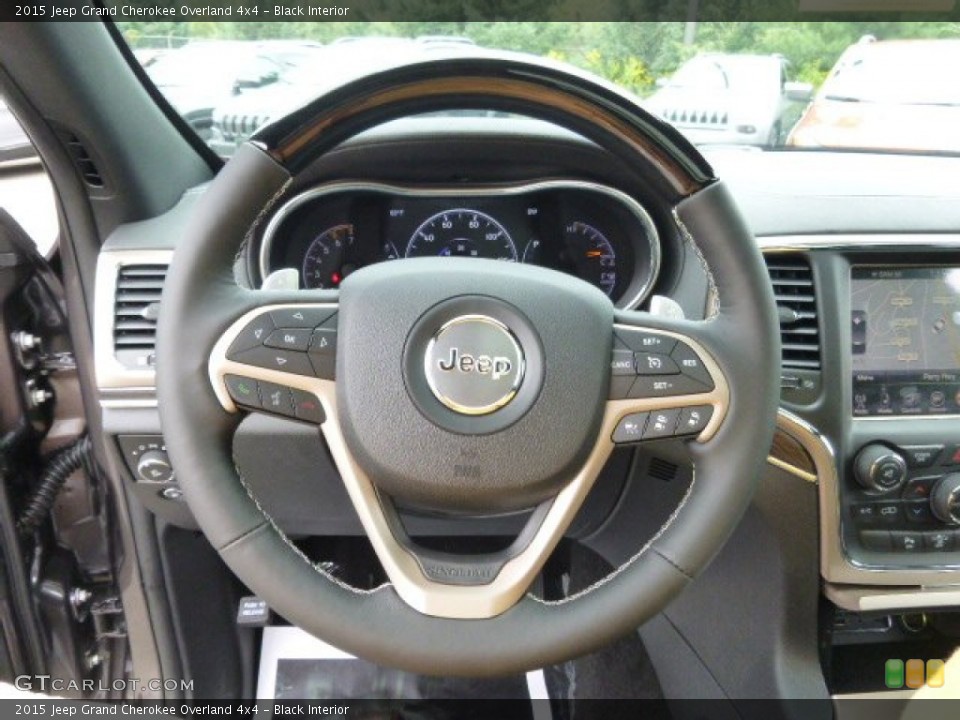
{"points": [[901, 94], [729, 99]]}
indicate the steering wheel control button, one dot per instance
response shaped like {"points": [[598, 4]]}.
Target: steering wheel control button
{"points": [[694, 419], [253, 335], [622, 363], [630, 428], [242, 390], [655, 386], [301, 317], [921, 456], [276, 399], [654, 364], [645, 342], [474, 365], [691, 365], [307, 407], [272, 359], [662, 424], [323, 353], [289, 339]]}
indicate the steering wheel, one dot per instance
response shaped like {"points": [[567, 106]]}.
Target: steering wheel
{"points": [[466, 387]]}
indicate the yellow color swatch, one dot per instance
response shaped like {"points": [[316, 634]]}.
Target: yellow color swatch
{"points": [[914, 674], [935, 673]]}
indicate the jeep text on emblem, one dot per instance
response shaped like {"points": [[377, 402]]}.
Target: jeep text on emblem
{"points": [[474, 365]]}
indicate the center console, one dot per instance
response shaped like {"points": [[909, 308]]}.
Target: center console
{"points": [[900, 504]]}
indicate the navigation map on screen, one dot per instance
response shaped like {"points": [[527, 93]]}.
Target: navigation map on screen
{"points": [[905, 331]]}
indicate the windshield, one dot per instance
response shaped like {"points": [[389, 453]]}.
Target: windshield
{"points": [[759, 85]]}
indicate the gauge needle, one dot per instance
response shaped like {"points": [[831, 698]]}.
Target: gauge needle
{"points": [[594, 253]]}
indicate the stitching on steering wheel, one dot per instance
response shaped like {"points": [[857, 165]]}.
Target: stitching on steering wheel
{"points": [[617, 571], [714, 311], [317, 566], [714, 301]]}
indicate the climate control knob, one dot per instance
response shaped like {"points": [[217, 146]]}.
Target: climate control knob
{"points": [[154, 466], [945, 499], [880, 469]]}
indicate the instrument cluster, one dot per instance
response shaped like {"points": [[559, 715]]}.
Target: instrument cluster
{"points": [[590, 231]]}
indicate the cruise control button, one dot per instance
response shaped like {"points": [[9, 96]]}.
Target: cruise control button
{"points": [[655, 364], [661, 424], [253, 335], [875, 540], [289, 339], [919, 488], [272, 359], [301, 317], [307, 407], [276, 399], [622, 363], [630, 428], [691, 365], [694, 419], [645, 341], [906, 541], [665, 386], [921, 456], [242, 390], [939, 541]]}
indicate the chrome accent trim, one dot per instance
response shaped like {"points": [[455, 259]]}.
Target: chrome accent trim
{"points": [[835, 565], [858, 241], [812, 441], [110, 373], [632, 205], [401, 566], [869, 599], [127, 403]]}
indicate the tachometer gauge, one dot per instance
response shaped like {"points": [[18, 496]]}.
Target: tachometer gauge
{"points": [[324, 264], [592, 255], [464, 233]]}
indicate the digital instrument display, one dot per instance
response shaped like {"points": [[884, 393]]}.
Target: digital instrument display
{"points": [[905, 335]]}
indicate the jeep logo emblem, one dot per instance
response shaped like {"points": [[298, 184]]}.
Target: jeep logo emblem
{"points": [[474, 365], [495, 367]]}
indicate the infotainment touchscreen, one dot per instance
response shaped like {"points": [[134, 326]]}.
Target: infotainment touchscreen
{"points": [[905, 325]]}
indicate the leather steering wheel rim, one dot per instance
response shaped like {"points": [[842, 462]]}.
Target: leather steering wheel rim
{"points": [[201, 300]]}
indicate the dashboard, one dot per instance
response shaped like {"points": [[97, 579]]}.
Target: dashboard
{"points": [[591, 231]]}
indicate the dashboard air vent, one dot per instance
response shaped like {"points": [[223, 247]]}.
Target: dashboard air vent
{"points": [[136, 309], [82, 159], [793, 288]]}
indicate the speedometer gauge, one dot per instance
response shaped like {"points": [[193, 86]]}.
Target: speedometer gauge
{"points": [[462, 232], [323, 264], [592, 255]]}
